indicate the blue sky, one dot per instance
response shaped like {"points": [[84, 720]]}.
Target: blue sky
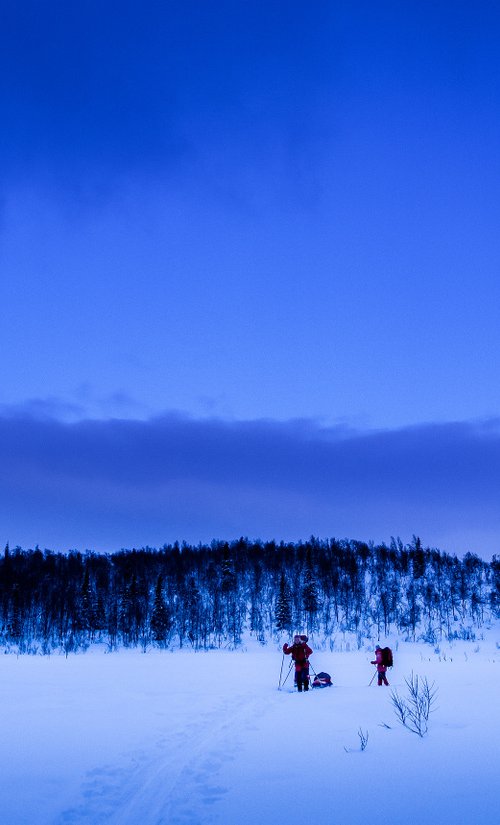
{"points": [[270, 221]]}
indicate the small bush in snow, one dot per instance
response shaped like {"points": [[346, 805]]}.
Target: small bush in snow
{"points": [[413, 710]]}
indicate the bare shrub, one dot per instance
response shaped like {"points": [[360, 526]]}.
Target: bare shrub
{"points": [[413, 710]]}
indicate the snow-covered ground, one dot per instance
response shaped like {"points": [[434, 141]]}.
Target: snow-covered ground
{"points": [[196, 738]]}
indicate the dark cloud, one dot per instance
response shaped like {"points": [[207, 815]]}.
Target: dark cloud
{"points": [[130, 481], [93, 87]]}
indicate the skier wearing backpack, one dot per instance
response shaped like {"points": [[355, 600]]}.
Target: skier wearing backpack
{"points": [[300, 652], [381, 666]]}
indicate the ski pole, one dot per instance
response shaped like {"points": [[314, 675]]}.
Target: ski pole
{"points": [[373, 677], [281, 671], [288, 674], [310, 665]]}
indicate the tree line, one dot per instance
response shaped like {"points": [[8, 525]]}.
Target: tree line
{"points": [[209, 596]]}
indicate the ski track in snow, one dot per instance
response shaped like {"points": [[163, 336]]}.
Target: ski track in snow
{"points": [[171, 786]]}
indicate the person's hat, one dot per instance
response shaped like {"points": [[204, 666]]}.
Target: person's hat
{"points": [[378, 647]]}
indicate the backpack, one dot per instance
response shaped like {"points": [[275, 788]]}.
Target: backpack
{"points": [[387, 657], [299, 654]]}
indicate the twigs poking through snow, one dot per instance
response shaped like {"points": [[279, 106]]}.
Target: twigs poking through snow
{"points": [[413, 711], [363, 739]]}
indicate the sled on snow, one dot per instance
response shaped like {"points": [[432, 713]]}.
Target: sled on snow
{"points": [[322, 680]]}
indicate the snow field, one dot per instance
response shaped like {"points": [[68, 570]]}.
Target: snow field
{"points": [[199, 738]]}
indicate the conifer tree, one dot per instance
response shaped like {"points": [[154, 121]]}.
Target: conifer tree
{"points": [[310, 598], [161, 622], [228, 578], [283, 612], [85, 613], [193, 607]]}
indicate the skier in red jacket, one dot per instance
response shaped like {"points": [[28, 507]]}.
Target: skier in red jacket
{"points": [[300, 652], [381, 668]]}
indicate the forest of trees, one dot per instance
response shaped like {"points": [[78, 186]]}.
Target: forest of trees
{"points": [[211, 596]]}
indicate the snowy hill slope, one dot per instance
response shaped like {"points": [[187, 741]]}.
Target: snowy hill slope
{"points": [[198, 738]]}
